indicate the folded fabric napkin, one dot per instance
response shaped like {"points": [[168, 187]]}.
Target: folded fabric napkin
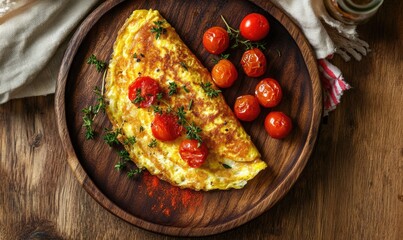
{"points": [[34, 35], [327, 36]]}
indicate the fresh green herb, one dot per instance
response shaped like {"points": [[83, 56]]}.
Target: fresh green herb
{"points": [[211, 92], [157, 109], [141, 128], [111, 137], [138, 98], [235, 36], [158, 29], [100, 100], [172, 88], [98, 64], [190, 104], [153, 143], [184, 88], [160, 96], [120, 165], [88, 121], [124, 155], [181, 116], [91, 111], [124, 159], [184, 66], [130, 140], [192, 132], [134, 172], [135, 55], [222, 56], [249, 45], [226, 166]]}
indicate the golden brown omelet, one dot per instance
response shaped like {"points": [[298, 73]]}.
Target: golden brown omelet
{"points": [[233, 159]]}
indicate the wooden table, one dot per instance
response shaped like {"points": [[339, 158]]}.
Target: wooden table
{"points": [[351, 188]]}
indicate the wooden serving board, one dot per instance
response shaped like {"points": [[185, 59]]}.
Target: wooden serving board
{"points": [[153, 204]]}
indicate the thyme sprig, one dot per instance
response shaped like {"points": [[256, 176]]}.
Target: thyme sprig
{"points": [[134, 172], [124, 159], [130, 140], [138, 98], [234, 35], [221, 57], [173, 88], [91, 111], [192, 130], [100, 65], [111, 137], [153, 143], [210, 92], [158, 29], [157, 109]]}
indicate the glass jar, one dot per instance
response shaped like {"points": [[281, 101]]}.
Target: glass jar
{"points": [[352, 11]]}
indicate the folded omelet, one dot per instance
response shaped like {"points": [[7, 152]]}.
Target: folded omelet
{"points": [[232, 160]]}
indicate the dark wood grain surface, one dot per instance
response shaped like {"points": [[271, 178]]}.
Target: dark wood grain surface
{"points": [[136, 201], [351, 188]]}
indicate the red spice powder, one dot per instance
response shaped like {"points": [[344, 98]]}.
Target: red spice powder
{"points": [[168, 198]]}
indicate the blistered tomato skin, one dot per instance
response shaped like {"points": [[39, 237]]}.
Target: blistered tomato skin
{"points": [[165, 127], [143, 91], [193, 153], [278, 125], [246, 108], [216, 40], [254, 27], [268, 92], [224, 73], [254, 62]]}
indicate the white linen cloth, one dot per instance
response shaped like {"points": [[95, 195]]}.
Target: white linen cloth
{"points": [[327, 36], [34, 36]]}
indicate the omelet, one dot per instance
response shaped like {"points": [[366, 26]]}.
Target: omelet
{"points": [[147, 45]]}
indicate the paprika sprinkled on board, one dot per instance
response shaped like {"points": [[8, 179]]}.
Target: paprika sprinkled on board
{"points": [[169, 199]]}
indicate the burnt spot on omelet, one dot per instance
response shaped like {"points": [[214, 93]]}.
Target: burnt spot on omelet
{"points": [[233, 159]]}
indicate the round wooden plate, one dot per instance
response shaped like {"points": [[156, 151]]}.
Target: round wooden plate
{"points": [[153, 204]]}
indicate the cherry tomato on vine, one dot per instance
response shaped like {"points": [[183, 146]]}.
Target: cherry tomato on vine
{"points": [[165, 127], [268, 92], [224, 73], [254, 27], [193, 153], [216, 40], [254, 62], [278, 125], [246, 108], [143, 91]]}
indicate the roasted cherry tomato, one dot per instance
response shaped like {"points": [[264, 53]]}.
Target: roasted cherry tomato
{"points": [[246, 108], [224, 73], [165, 127], [193, 153], [254, 27], [268, 92], [216, 40], [143, 91], [277, 124], [254, 62]]}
